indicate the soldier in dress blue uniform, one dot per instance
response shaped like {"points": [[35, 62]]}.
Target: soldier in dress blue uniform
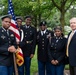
{"points": [[19, 23], [43, 37], [7, 47], [57, 52], [30, 43]]}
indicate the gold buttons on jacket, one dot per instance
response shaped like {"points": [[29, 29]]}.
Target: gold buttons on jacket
{"points": [[26, 32], [42, 45], [42, 39], [42, 48], [55, 47], [9, 41]]}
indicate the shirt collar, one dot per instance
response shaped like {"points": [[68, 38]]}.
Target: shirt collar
{"points": [[4, 29], [74, 31], [27, 26], [44, 31], [59, 37]]}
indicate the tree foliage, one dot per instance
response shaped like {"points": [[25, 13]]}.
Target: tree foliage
{"points": [[38, 9], [53, 11], [62, 6]]}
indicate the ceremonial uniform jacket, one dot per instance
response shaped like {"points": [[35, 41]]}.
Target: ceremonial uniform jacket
{"points": [[57, 49], [43, 41], [29, 40], [6, 40]]}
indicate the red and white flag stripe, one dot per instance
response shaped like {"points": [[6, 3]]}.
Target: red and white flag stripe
{"points": [[15, 30]]}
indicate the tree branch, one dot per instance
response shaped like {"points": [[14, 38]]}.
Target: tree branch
{"points": [[65, 1], [56, 5], [47, 16], [69, 5]]}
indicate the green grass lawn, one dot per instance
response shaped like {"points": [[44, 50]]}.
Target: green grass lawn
{"points": [[34, 64], [66, 67]]}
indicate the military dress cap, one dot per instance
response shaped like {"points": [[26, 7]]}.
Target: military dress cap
{"points": [[18, 18], [43, 23], [28, 16], [5, 16]]}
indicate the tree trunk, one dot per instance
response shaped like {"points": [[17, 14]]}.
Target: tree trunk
{"points": [[35, 20], [62, 20], [39, 19]]}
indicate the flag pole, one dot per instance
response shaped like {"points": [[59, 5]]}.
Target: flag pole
{"points": [[15, 65]]}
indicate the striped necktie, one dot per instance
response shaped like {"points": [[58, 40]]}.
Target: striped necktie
{"points": [[69, 40]]}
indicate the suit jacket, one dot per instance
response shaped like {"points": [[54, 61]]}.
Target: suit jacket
{"points": [[43, 41], [29, 41], [57, 48], [72, 51], [6, 58]]}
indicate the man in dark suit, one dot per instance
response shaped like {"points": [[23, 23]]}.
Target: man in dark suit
{"points": [[71, 46], [7, 47], [30, 43], [43, 39]]}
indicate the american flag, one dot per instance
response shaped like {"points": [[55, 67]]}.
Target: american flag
{"points": [[13, 26]]}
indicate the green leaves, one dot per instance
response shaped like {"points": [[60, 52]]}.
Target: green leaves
{"points": [[40, 9]]}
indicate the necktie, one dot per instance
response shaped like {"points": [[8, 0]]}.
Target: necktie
{"points": [[7, 32], [69, 40], [42, 32]]}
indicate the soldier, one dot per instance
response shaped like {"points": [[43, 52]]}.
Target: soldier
{"points": [[56, 52], [43, 37], [7, 47], [19, 23], [30, 43]]}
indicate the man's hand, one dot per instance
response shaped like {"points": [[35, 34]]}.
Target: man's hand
{"points": [[12, 49], [32, 55], [56, 61], [17, 42], [53, 62]]}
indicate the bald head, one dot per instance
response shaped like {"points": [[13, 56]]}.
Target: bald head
{"points": [[73, 23]]}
